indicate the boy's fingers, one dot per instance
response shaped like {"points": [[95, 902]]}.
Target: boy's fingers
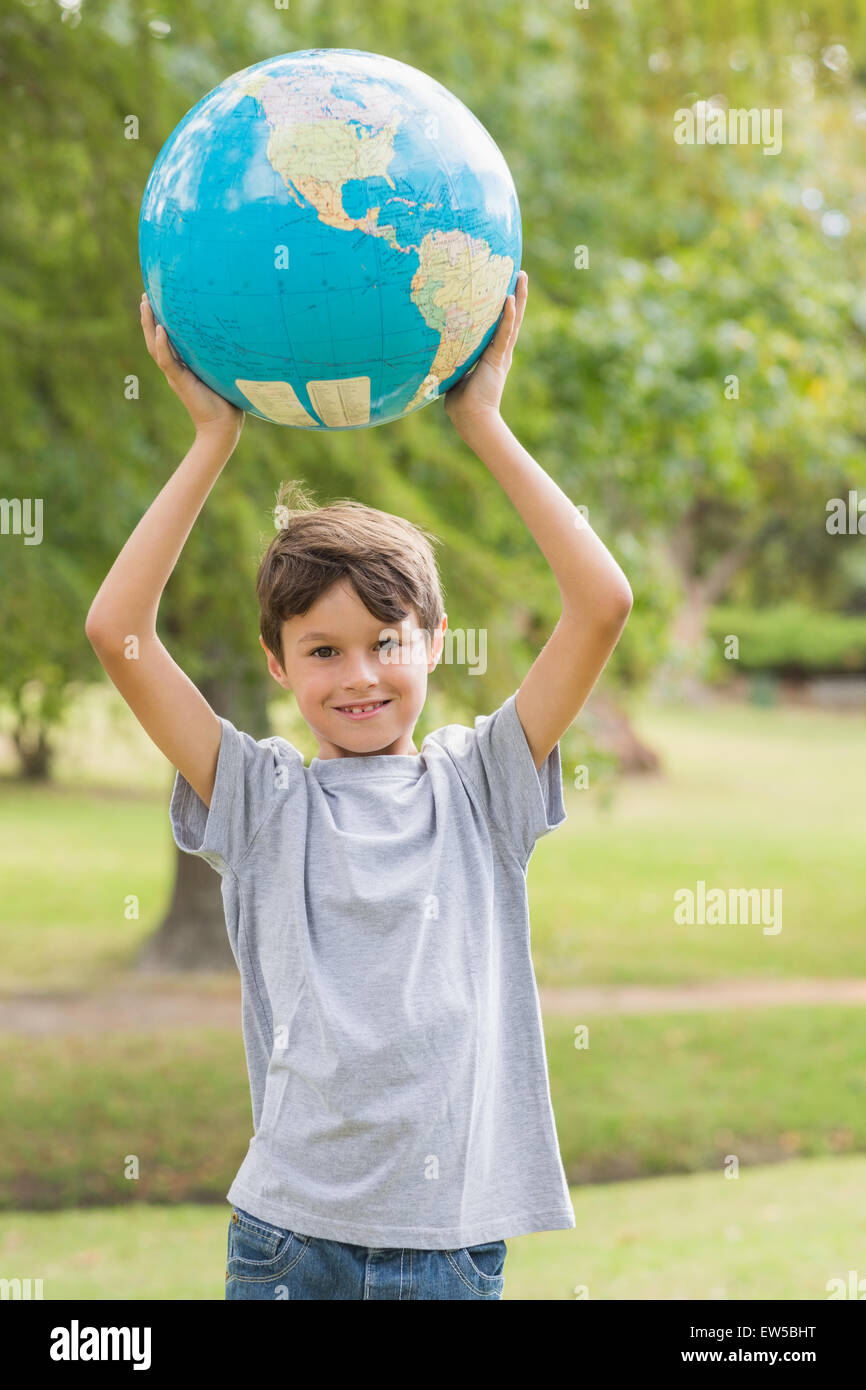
{"points": [[515, 323], [520, 295], [147, 324], [519, 302], [499, 343], [513, 327], [167, 359], [158, 344], [166, 356], [156, 338]]}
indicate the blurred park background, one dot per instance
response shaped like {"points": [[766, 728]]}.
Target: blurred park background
{"points": [[714, 1129]]}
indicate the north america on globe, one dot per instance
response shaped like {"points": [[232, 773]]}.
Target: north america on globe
{"points": [[328, 238]]}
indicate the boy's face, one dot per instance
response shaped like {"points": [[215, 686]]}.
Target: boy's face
{"points": [[354, 658]]}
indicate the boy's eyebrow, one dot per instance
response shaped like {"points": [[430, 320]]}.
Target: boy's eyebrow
{"points": [[326, 636]]}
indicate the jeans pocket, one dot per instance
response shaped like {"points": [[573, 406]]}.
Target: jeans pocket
{"points": [[481, 1266], [253, 1241]]}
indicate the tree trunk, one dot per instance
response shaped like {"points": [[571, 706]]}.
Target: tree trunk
{"points": [[34, 752], [683, 670], [36, 708], [193, 936], [612, 730], [607, 720]]}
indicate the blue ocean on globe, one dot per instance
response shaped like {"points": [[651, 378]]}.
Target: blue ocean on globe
{"points": [[328, 238]]}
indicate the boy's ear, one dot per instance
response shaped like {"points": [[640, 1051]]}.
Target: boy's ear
{"points": [[438, 642], [274, 666]]}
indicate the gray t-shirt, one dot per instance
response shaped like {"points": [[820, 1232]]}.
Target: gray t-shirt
{"points": [[377, 910]]}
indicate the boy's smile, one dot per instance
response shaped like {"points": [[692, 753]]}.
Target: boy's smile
{"points": [[360, 683], [363, 711]]}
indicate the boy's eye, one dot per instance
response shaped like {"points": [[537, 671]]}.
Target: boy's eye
{"points": [[316, 651]]}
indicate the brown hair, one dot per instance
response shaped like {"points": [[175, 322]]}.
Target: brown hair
{"points": [[389, 562]]}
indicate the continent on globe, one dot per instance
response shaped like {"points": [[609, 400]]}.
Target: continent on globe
{"points": [[328, 238]]}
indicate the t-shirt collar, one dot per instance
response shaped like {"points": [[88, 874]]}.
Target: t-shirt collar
{"points": [[371, 765]]}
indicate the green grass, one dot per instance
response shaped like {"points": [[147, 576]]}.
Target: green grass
{"points": [[651, 1094], [662, 1093], [751, 798], [781, 1231], [69, 860]]}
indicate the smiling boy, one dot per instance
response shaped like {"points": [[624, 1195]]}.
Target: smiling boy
{"points": [[387, 674], [376, 900]]}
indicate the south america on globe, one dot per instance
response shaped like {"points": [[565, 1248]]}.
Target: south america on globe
{"points": [[328, 238]]}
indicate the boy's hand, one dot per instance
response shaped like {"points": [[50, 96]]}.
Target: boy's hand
{"points": [[478, 393], [208, 411]]}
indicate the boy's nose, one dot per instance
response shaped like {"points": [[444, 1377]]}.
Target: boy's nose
{"points": [[363, 674], [362, 690]]}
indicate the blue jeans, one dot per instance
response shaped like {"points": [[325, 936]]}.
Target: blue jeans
{"points": [[265, 1261]]}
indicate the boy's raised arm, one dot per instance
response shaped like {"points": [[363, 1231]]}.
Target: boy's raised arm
{"points": [[596, 596], [170, 709]]}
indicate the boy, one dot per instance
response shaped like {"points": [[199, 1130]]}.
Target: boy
{"points": [[375, 901]]}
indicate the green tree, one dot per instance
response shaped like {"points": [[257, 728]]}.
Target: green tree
{"points": [[703, 263]]}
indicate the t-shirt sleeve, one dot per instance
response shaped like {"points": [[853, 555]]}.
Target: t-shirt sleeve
{"points": [[495, 763], [250, 777]]}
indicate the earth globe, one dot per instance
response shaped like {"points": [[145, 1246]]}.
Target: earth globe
{"points": [[328, 239]]}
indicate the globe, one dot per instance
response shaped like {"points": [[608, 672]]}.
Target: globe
{"points": [[328, 239]]}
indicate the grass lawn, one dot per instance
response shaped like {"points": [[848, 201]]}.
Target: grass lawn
{"points": [[653, 1093], [751, 798], [780, 1231]]}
